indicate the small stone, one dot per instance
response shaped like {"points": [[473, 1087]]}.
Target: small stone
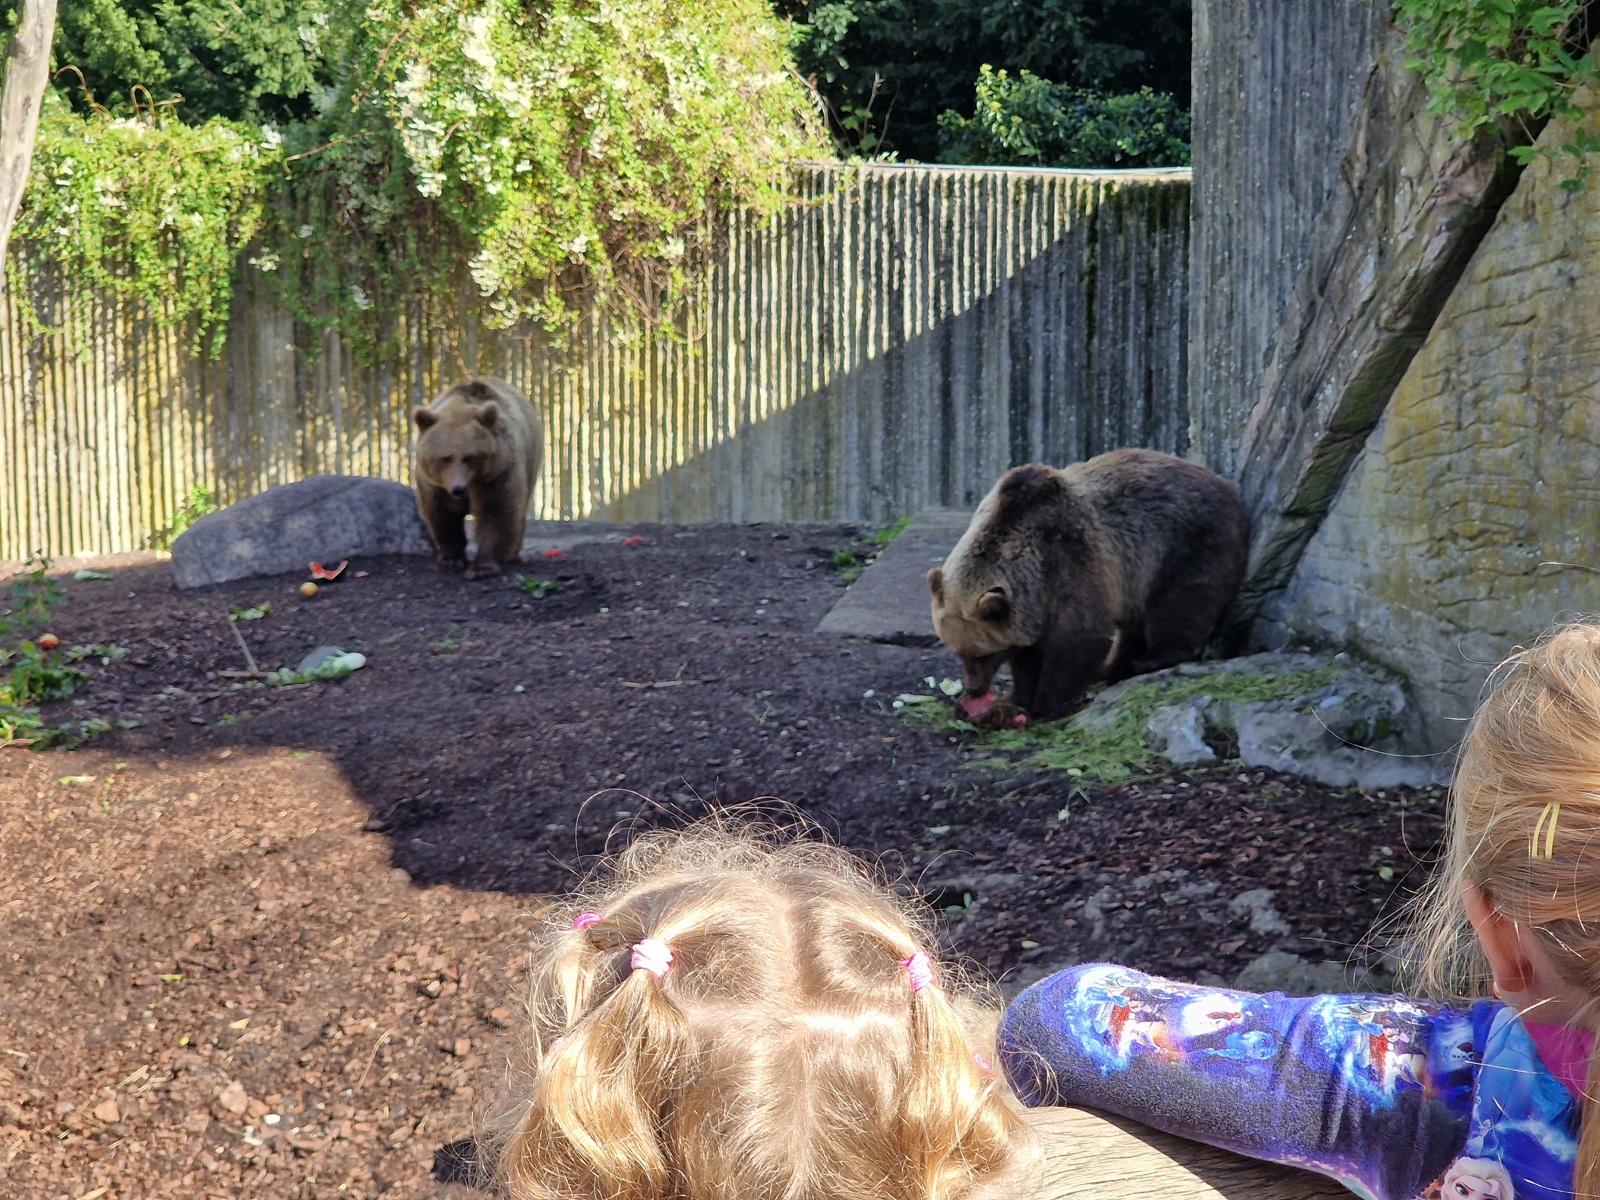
{"points": [[399, 875], [377, 825], [501, 1017], [469, 916], [197, 1122], [234, 1099], [463, 1047], [1178, 732], [108, 1111], [1257, 905]]}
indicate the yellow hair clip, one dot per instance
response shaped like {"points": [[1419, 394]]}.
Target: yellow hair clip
{"points": [[1552, 812]]}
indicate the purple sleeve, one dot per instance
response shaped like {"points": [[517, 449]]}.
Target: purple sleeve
{"points": [[1375, 1091]]}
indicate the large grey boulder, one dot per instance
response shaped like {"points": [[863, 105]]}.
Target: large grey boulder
{"points": [[1357, 727], [322, 519]]}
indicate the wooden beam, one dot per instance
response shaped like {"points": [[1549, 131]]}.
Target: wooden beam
{"points": [[1090, 1154]]}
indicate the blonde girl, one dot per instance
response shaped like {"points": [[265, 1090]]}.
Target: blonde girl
{"points": [[731, 1015], [1483, 1097]]}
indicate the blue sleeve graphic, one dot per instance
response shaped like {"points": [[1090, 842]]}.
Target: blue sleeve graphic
{"points": [[1380, 1092]]}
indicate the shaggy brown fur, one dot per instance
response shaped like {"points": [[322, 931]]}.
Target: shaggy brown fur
{"points": [[479, 451], [1109, 568]]}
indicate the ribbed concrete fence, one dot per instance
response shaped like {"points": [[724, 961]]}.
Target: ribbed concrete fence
{"points": [[898, 338]]}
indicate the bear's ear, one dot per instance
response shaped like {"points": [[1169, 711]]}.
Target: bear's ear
{"points": [[1028, 484], [488, 415], [936, 583], [425, 418], [993, 605]]}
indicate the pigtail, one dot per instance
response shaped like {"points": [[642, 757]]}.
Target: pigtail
{"points": [[602, 1083], [962, 1130]]}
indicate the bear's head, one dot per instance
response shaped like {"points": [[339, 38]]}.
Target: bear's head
{"points": [[990, 597], [460, 445], [979, 625]]}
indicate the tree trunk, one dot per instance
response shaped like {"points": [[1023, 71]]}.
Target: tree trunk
{"points": [[27, 73]]}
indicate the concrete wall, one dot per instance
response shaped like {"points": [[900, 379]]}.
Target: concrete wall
{"points": [[1471, 519], [899, 338], [1277, 89]]}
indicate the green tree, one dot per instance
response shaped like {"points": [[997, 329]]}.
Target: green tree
{"points": [[247, 60], [1028, 121], [887, 69]]}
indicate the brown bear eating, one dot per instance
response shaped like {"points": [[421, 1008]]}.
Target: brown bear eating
{"points": [[478, 451], [1109, 568]]}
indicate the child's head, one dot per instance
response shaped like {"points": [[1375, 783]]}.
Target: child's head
{"points": [[1516, 903], [725, 1015]]}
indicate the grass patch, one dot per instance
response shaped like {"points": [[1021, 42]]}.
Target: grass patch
{"points": [[889, 532], [1107, 744], [850, 565]]}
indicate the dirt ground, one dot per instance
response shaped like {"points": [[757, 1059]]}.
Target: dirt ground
{"points": [[265, 945]]}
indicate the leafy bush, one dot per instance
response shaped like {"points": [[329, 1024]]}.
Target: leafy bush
{"points": [[1033, 122], [886, 69], [246, 60], [561, 150], [148, 208], [1512, 60], [567, 150]]}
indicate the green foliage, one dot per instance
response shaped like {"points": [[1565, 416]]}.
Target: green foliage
{"points": [[1516, 61], [1112, 747], [567, 149], [147, 208], [886, 69], [537, 588], [257, 613], [245, 60], [31, 676], [1033, 122], [200, 501], [548, 152], [888, 534], [29, 597]]}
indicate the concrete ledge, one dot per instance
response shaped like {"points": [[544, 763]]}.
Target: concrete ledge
{"points": [[889, 602]]}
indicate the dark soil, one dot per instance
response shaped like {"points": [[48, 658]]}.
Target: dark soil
{"points": [[659, 679]]}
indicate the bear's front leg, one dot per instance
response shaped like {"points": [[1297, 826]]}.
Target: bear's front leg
{"points": [[1066, 668], [446, 520], [498, 541]]}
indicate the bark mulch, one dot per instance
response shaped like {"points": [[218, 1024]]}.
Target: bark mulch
{"points": [[266, 944]]}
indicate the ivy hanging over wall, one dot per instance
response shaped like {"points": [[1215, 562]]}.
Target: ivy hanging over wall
{"points": [[543, 154], [1492, 63], [144, 207]]}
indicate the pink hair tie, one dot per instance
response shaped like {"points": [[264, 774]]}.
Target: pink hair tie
{"points": [[585, 919], [653, 956], [919, 970]]}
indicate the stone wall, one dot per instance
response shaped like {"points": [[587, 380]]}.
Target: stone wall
{"points": [[1471, 519]]}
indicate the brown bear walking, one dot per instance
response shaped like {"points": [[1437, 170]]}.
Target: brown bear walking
{"points": [[1109, 568], [479, 451]]}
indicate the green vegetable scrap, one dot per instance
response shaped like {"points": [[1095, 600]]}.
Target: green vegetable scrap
{"points": [[537, 588]]}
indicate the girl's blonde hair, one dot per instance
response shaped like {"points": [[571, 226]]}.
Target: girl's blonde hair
{"points": [[783, 1055], [1524, 827]]}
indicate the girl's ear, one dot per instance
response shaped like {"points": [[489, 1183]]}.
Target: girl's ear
{"points": [[1501, 940]]}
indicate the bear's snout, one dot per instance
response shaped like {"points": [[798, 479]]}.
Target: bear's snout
{"points": [[458, 489]]}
